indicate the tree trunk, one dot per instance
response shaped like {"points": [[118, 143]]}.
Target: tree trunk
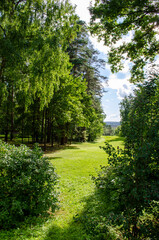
{"points": [[12, 114], [52, 134], [6, 123], [48, 130], [22, 128], [33, 128], [42, 126], [2, 69], [63, 137], [45, 130], [6, 135]]}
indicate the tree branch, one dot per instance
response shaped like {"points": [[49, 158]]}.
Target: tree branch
{"points": [[17, 3], [3, 30]]}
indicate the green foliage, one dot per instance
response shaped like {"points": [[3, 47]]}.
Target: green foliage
{"points": [[86, 63], [48, 72], [33, 58], [33, 39], [140, 115], [108, 130], [129, 202], [111, 20], [77, 195], [118, 131], [96, 119], [27, 184], [130, 182]]}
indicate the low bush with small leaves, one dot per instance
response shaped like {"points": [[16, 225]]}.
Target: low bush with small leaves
{"points": [[27, 184]]}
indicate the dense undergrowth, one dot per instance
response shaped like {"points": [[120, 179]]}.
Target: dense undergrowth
{"points": [[75, 166], [27, 184], [85, 211]]}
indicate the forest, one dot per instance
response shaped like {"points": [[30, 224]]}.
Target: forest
{"points": [[50, 93], [50, 82]]}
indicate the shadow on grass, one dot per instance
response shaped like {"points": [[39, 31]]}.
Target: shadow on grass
{"points": [[26, 230], [54, 158], [90, 224], [92, 142], [93, 217], [69, 147], [74, 231], [50, 149], [116, 139]]}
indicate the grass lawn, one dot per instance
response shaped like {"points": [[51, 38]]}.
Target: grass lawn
{"points": [[75, 165]]}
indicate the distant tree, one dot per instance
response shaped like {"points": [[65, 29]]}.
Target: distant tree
{"points": [[108, 131], [86, 61], [118, 131]]}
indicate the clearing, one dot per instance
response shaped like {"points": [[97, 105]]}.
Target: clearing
{"points": [[75, 164]]}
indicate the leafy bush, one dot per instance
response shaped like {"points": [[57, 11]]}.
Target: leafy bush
{"points": [[27, 184], [130, 193]]}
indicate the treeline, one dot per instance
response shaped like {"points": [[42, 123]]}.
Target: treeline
{"points": [[130, 182], [50, 85]]}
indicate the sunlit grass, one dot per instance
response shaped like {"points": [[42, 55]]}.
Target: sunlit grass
{"points": [[75, 165]]}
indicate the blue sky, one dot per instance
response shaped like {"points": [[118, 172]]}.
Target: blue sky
{"points": [[118, 84]]}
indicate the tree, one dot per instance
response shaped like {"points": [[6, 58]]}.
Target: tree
{"points": [[108, 131], [66, 107], [118, 131], [141, 138], [46, 60], [33, 39], [111, 20], [86, 61], [130, 182]]}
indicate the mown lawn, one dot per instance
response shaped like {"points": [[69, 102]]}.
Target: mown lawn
{"points": [[75, 165]]}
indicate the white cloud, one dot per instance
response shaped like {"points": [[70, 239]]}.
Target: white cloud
{"points": [[123, 86], [82, 9], [99, 45], [122, 92], [115, 83], [113, 118]]}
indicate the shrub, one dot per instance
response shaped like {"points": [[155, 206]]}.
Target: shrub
{"points": [[130, 192], [27, 184]]}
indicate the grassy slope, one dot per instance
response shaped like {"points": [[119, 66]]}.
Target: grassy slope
{"points": [[74, 165]]}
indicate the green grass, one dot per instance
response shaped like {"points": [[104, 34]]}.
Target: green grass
{"points": [[75, 165]]}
